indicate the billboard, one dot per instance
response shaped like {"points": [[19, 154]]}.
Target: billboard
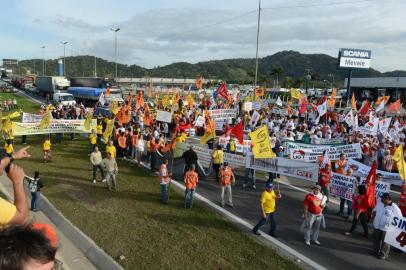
{"points": [[7, 62], [354, 58]]}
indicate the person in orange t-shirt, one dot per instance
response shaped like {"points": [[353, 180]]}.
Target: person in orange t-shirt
{"points": [[341, 164], [191, 179], [226, 179]]}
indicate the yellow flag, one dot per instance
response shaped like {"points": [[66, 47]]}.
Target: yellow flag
{"points": [[380, 99], [207, 136], [247, 99], [109, 129], [46, 120], [114, 107], [12, 115], [294, 93], [400, 162], [261, 145], [88, 120], [8, 127], [165, 101]]}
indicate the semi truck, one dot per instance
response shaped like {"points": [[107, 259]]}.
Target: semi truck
{"points": [[22, 82], [51, 84]]}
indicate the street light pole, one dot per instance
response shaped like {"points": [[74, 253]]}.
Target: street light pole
{"points": [[95, 67], [64, 64], [256, 54], [115, 30], [43, 60]]}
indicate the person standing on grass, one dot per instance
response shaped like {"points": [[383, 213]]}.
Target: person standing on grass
{"points": [[217, 156], [191, 179], [268, 207], [93, 141], [110, 168], [110, 148], [314, 204], [164, 180], [154, 154], [360, 212], [140, 149], [226, 179], [35, 185], [99, 131], [96, 160], [46, 147]]}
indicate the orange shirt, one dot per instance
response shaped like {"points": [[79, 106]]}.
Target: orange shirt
{"points": [[134, 140], [191, 179], [226, 176], [313, 204], [122, 142], [341, 166]]}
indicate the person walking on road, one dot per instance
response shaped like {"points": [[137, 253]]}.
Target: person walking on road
{"points": [[381, 215], [268, 208], [191, 179], [226, 179], [324, 180], [110, 167], [360, 212], [190, 157], [218, 156], [164, 180], [313, 217], [96, 160], [35, 185]]}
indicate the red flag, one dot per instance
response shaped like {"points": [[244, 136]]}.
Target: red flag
{"points": [[150, 88], [222, 91], [395, 106], [238, 131], [370, 182], [303, 105], [365, 109]]}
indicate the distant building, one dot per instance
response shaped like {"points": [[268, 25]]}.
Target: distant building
{"points": [[372, 88]]}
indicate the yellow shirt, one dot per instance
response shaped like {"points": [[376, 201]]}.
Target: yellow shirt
{"points": [[218, 156], [7, 211], [47, 145], [99, 129], [9, 148], [112, 150], [93, 138], [268, 201]]}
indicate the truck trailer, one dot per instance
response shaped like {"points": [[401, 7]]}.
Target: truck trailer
{"points": [[50, 84]]}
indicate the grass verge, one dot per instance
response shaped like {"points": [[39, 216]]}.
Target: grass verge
{"points": [[23, 103]]}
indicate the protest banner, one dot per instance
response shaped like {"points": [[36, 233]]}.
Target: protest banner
{"points": [[239, 148], [343, 186], [163, 116], [32, 118], [284, 166], [199, 121], [254, 118], [220, 123], [56, 126], [247, 106], [362, 171], [222, 114], [396, 233], [261, 144], [380, 187], [332, 141], [311, 153]]}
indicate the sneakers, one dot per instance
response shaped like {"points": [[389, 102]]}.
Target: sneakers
{"points": [[94, 181], [104, 180], [222, 205], [347, 233], [256, 232], [254, 187], [231, 205], [307, 243], [317, 242], [273, 235]]}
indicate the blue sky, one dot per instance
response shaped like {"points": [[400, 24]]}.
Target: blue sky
{"points": [[159, 32]]}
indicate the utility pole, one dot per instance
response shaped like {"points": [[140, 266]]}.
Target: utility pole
{"points": [[43, 60], [256, 55], [64, 64], [115, 30], [95, 67]]}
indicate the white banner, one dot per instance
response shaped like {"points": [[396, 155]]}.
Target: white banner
{"points": [[163, 116], [247, 106], [199, 121], [342, 185], [380, 187], [56, 126], [222, 114], [396, 233], [311, 153], [254, 118], [240, 148], [297, 169], [32, 118], [362, 171]]}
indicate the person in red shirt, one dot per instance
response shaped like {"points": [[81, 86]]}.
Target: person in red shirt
{"points": [[341, 164], [313, 207], [360, 212], [191, 179], [402, 199], [324, 180]]}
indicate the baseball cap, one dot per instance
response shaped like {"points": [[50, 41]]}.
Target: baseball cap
{"points": [[317, 186], [225, 163], [269, 185], [386, 195]]}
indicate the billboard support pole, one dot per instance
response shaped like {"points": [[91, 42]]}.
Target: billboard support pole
{"points": [[349, 84]]}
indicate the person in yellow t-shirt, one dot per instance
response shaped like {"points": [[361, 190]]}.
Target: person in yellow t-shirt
{"points": [[268, 208], [99, 131], [8, 147], [217, 156], [110, 148], [46, 147], [93, 141]]}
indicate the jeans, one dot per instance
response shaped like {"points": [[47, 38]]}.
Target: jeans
{"points": [[164, 193], [95, 167], [58, 137], [271, 218], [35, 200], [153, 161], [133, 151], [227, 189], [111, 180], [216, 168], [91, 148], [249, 172], [349, 206], [313, 223], [99, 137], [326, 192], [189, 194], [271, 177], [363, 219], [380, 247]]}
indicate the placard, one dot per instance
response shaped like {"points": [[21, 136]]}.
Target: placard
{"points": [[222, 114], [343, 186], [396, 233], [163, 116]]}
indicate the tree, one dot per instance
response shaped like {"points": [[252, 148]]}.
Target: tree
{"points": [[278, 72]]}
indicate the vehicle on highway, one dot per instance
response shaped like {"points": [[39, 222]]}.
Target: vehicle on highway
{"points": [[48, 85], [64, 98]]}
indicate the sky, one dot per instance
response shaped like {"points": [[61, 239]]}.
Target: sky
{"points": [[160, 32]]}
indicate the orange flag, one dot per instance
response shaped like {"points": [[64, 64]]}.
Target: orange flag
{"points": [[107, 92], [380, 99], [140, 99], [332, 100], [395, 106], [150, 89], [354, 103]]}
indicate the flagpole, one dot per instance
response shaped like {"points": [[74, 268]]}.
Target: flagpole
{"points": [[256, 54]]}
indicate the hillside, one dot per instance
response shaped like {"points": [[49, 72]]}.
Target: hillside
{"points": [[289, 68]]}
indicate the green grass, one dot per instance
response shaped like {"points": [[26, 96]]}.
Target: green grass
{"points": [[23, 103], [133, 223]]}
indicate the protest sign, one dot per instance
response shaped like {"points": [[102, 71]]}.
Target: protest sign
{"points": [[239, 148], [380, 187], [254, 118], [261, 144], [396, 233], [56, 126], [199, 121], [342, 185], [284, 166], [362, 171], [163, 116], [222, 114], [32, 118], [247, 106], [311, 153], [220, 123]]}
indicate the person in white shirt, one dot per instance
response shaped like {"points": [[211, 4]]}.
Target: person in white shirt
{"points": [[96, 160], [382, 214]]}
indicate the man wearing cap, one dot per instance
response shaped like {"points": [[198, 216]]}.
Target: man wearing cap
{"points": [[268, 203], [226, 179], [313, 207], [381, 215], [324, 180]]}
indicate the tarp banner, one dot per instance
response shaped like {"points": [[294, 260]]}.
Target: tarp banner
{"points": [[396, 233], [222, 114], [163, 116], [343, 186], [57, 126]]}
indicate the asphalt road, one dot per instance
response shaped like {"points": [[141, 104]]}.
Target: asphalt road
{"points": [[337, 251]]}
